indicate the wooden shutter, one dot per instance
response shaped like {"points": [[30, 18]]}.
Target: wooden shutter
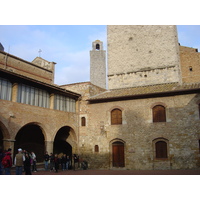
{"points": [[116, 116], [96, 148], [83, 121], [159, 114], [161, 149]]}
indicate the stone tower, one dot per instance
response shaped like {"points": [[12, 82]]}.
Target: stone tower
{"points": [[142, 55], [98, 64]]}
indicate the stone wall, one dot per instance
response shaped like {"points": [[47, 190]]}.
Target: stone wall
{"points": [[138, 133], [135, 52]]}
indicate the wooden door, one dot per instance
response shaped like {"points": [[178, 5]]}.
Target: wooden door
{"points": [[118, 154]]}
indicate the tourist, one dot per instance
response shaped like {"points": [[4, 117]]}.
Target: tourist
{"points": [[46, 160], [63, 162], [7, 163], [33, 156], [51, 158], [56, 162], [27, 164], [19, 159]]}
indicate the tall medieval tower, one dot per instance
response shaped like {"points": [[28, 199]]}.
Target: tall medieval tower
{"points": [[142, 55], [98, 64]]}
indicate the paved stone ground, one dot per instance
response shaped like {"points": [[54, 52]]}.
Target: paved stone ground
{"points": [[121, 172], [116, 172]]}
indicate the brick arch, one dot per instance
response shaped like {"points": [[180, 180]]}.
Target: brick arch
{"points": [[31, 137], [4, 131], [158, 103], [116, 107]]}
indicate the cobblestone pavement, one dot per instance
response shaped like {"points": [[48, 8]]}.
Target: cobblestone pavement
{"points": [[116, 172]]}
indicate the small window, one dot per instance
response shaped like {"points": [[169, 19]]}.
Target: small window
{"points": [[190, 68], [96, 148], [116, 116], [83, 121], [199, 110], [97, 47], [199, 146], [161, 149], [159, 114]]}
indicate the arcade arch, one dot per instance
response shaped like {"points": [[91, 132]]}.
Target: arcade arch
{"points": [[3, 135], [31, 138], [65, 141]]}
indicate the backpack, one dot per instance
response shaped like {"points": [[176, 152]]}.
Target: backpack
{"points": [[5, 161]]}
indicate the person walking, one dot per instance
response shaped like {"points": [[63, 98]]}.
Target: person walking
{"points": [[46, 160], [19, 161]]}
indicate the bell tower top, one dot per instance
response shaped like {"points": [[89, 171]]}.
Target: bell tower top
{"points": [[97, 45]]}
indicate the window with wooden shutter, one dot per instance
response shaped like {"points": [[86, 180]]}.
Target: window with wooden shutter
{"points": [[199, 110], [199, 146], [116, 116], [159, 114], [96, 148], [161, 149], [83, 121]]}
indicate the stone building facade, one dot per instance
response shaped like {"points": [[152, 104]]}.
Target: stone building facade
{"points": [[139, 122]]}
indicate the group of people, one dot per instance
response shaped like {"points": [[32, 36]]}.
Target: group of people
{"points": [[23, 161], [53, 162]]}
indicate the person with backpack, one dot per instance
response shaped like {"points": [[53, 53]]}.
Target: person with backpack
{"points": [[7, 163]]}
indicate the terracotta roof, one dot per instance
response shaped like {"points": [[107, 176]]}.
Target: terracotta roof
{"points": [[145, 91]]}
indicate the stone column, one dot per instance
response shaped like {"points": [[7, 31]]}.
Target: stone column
{"points": [[49, 146], [14, 92], [9, 143]]}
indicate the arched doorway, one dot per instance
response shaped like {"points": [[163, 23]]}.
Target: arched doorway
{"points": [[118, 154], [31, 138], [60, 142]]}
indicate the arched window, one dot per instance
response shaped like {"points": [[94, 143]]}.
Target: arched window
{"points": [[159, 114], [116, 116], [97, 47], [161, 149], [96, 148], [83, 121]]}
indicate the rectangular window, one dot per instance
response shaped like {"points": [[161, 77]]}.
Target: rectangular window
{"points": [[5, 89], [32, 96], [64, 103]]}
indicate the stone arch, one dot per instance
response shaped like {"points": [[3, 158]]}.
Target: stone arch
{"points": [[31, 137], [4, 131], [65, 141], [4, 135]]}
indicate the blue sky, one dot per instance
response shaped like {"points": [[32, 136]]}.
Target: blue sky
{"points": [[69, 45]]}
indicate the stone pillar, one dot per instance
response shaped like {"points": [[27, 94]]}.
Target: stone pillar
{"points": [[9, 143], [49, 146], [51, 103], [14, 92]]}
